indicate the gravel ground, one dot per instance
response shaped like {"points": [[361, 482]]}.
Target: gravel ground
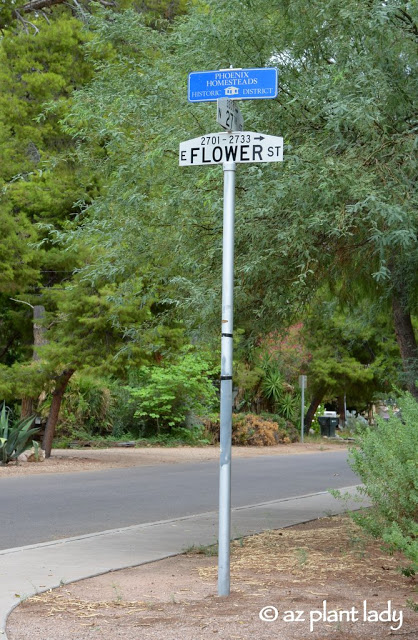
{"points": [[68, 460], [288, 573]]}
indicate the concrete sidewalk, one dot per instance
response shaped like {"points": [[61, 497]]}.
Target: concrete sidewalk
{"points": [[26, 571]]}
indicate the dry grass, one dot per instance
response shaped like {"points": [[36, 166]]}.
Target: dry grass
{"points": [[296, 568], [310, 554]]}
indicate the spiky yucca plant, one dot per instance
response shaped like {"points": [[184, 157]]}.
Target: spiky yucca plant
{"points": [[14, 437]]}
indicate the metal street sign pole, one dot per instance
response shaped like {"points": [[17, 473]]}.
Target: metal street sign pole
{"points": [[226, 381], [228, 148]]}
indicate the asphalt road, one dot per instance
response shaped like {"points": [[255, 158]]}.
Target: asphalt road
{"points": [[47, 507]]}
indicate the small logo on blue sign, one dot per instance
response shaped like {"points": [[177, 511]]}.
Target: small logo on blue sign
{"points": [[236, 84]]}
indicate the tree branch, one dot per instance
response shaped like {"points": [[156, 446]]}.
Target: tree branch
{"points": [[25, 22], [22, 301], [36, 5], [39, 5], [407, 20]]}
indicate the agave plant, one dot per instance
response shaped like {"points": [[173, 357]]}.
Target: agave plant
{"points": [[14, 437], [287, 407], [272, 384]]}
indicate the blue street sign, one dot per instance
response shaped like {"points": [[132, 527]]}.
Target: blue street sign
{"points": [[236, 84]]}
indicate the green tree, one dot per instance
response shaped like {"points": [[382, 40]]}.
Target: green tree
{"points": [[341, 209], [42, 185], [87, 331], [351, 353], [38, 186]]}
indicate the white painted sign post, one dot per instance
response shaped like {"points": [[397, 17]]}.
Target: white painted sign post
{"points": [[228, 149]]}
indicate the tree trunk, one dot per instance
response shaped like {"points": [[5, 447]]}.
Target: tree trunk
{"points": [[316, 401], [39, 330], [38, 341], [407, 343], [26, 409], [57, 395]]}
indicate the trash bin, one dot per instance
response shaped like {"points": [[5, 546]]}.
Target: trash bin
{"points": [[328, 425]]}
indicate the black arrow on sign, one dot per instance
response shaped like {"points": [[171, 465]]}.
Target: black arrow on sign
{"points": [[259, 138]]}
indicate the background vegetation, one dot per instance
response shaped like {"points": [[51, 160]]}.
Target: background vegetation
{"points": [[111, 254]]}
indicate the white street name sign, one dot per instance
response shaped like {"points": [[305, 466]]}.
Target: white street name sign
{"points": [[216, 148], [228, 115]]}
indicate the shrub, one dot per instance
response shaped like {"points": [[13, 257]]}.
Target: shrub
{"points": [[122, 414], [253, 430], [85, 410], [250, 429], [167, 394], [247, 381], [386, 461], [14, 437], [180, 436], [287, 428]]}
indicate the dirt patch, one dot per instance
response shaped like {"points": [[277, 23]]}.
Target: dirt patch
{"points": [[293, 570], [74, 460]]}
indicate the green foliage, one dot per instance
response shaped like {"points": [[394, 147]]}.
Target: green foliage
{"points": [[281, 396], [14, 437], [352, 352], [287, 349], [342, 207], [165, 395], [22, 379], [354, 424], [264, 383], [39, 179], [315, 427], [247, 380], [36, 448], [122, 413], [386, 462], [42, 188], [264, 387], [289, 407], [196, 436], [272, 384], [86, 408], [36, 183]]}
